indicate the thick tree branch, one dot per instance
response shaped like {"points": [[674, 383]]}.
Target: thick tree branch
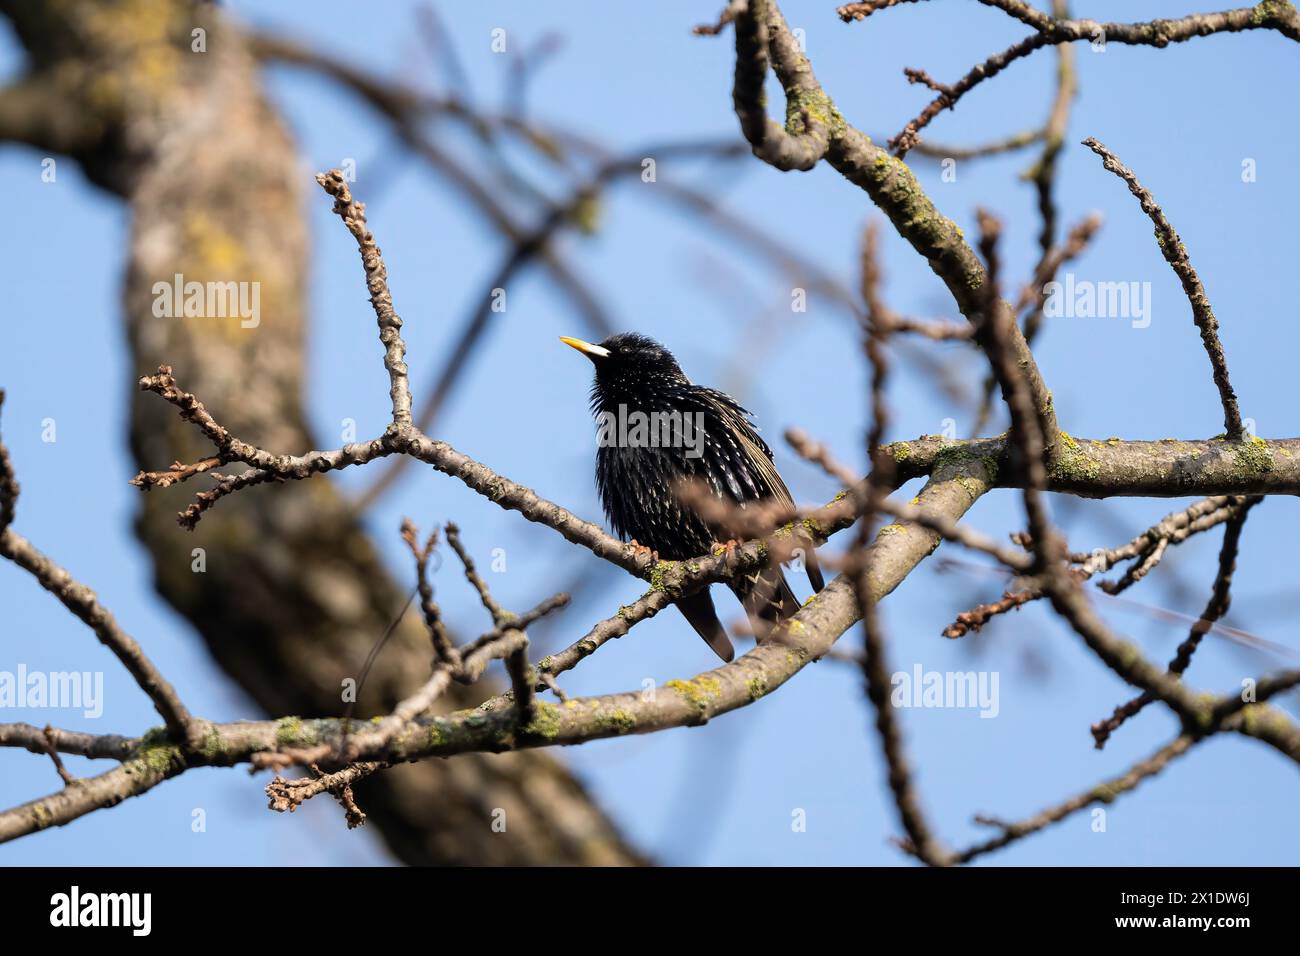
{"points": [[1110, 467], [493, 727], [887, 180]]}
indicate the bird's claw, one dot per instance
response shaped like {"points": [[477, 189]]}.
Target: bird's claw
{"points": [[640, 550]]}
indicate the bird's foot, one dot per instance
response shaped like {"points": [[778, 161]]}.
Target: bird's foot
{"points": [[641, 550]]}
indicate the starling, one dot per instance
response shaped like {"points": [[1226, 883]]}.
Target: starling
{"points": [[656, 430]]}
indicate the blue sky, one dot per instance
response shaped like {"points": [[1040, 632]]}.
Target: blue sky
{"points": [[1184, 118]]}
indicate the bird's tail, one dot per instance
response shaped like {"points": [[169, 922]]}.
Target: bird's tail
{"points": [[698, 609], [767, 599]]}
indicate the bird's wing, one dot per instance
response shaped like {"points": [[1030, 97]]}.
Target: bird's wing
{"points": [[766, 598], [745, 458], [756, 460]]}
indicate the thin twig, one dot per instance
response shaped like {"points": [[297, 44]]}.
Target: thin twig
{"points": [[1175, 253], [353, 215], [289, 795], [875, 668], [1217, 606]]}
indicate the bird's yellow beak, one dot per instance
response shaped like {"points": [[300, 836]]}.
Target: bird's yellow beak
{"points": [[592, 352]]}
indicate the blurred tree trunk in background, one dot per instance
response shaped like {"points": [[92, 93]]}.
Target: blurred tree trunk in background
{"points": [[294, 592]]}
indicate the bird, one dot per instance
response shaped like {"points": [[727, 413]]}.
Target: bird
{"points": [[658, 429]]}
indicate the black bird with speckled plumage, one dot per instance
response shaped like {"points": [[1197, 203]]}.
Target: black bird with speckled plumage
{"points": [[637, 480]]}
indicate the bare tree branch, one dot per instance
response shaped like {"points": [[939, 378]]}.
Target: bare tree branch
{"points": [[1175, 253]]}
